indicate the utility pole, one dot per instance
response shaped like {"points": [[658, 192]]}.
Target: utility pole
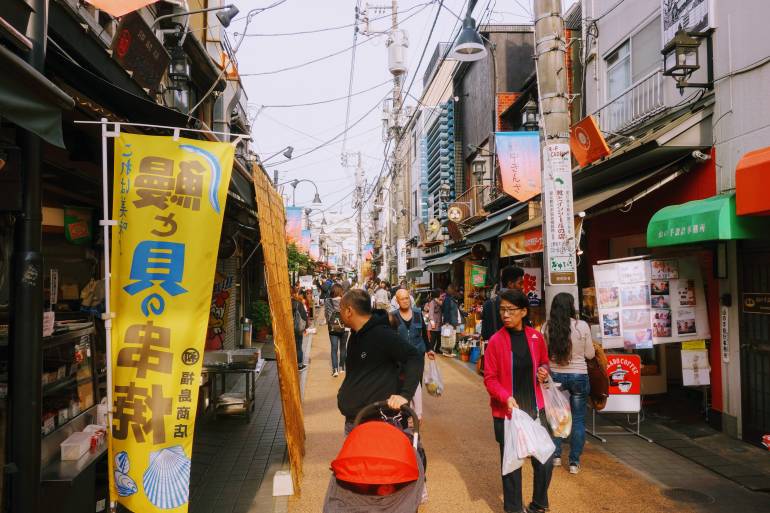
{"points": [[359, 216], [559, 242]]}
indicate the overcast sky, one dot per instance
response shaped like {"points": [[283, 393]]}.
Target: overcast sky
{"points": [[306, 127]]}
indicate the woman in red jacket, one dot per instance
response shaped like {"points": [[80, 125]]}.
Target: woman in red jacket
{"points": [[514, 361]]}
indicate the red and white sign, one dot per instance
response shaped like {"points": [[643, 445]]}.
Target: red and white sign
{"points": [[625, 375], [532, 285]]}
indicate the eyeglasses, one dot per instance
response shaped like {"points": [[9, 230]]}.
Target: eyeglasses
{"points": [[508, 311]]}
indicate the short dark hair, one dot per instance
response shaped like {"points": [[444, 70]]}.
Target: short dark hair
{"points": [[510, 273], [451, 288], [516, 297], [359, 300]]}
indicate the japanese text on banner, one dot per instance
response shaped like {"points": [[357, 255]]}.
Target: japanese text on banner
{"points": [[169, 199]]}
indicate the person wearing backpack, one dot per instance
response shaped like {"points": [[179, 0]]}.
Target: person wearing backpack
{"points": [[569, 346], [338, 335], [299, 315]]}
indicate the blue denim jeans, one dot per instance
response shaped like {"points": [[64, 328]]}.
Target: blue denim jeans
{"points": [[578, 387], [339, 345]]}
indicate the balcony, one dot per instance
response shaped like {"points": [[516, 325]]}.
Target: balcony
{"points": [[639, 102], [472, 204]]}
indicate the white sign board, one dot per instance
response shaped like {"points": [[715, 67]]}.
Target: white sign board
{"points": [[401, 262], [690, 15], [696, 370], [306, 282], [645, 302], [558, 218]]}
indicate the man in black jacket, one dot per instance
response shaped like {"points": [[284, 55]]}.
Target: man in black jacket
{"points": [[376, 357], [511, 277]]}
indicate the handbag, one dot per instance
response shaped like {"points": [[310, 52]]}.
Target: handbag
{"points": [[597, 377]]}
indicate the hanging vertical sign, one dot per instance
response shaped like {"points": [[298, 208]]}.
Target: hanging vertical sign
{"points": [[294, 225], [519, 156], [401, 260], [560, 243], [724, 329], [169, 199]]}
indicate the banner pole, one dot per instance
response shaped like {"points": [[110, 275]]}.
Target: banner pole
{"points": [[106, 222]]}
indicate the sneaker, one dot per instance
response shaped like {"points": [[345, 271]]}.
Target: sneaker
{"points": [[302, 366], [335, 373], [557, 462], [574, 468], [342, 369]]}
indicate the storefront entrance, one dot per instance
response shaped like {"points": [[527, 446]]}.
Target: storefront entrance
{"points": [[754, 278]]}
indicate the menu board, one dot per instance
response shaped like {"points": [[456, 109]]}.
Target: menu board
{"points": [[646, 302]]}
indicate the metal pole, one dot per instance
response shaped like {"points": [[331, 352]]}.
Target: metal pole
{"points": [[550, 59], [27, 322]]}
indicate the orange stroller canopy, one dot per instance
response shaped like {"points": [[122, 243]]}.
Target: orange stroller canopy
{"points": [[376, 453]]}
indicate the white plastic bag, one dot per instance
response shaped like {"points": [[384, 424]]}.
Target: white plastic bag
{"points": [[433, 382], [531, 437], [511, 459], [557, 410]]}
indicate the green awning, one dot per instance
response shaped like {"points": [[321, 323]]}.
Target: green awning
{"points": [[30, 100], [444, 263], [703, 220]]}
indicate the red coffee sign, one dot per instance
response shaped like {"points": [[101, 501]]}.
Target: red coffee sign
{"points": [[625, 374]]}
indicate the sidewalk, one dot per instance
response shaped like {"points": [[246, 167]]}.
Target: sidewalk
{"points": [[463, 458]]}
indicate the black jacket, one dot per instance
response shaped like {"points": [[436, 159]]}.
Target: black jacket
{"points": [[376, 356]]}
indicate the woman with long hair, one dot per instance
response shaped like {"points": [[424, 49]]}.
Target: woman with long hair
{"points": [[515, 359], [337, 333], [569, 345]]}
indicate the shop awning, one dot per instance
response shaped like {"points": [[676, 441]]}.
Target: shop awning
{"points": [[414, 272], [703, 220], [494, 225], [443, 263], [751, 177], [30, 100]]}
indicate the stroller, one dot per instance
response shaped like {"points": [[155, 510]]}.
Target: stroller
{"points": [[381, 466]]}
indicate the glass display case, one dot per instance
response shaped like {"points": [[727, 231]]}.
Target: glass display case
{"points": [[70, 385]]}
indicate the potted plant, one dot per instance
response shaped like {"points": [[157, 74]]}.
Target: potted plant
{"points": [[260, 313]]}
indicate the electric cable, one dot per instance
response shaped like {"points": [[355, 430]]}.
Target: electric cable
{"points": [[324, 57], [328, 29], [350, 81], [330, 100]]}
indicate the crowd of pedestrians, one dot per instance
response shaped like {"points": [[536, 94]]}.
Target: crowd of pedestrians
{"points": [[380, 336]]}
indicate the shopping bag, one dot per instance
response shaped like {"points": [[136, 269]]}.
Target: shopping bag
{"points": [[448, 338], [433, 382], [532, 439], [511, 460], [557, 410]]}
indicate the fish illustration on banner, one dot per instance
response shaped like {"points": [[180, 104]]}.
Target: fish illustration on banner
{"points": [[169, 201], [519, 156]]}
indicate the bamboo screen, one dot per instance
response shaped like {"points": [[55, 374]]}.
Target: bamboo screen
{"points": [[272, 220]]}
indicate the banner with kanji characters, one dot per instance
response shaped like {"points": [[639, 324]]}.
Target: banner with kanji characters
{"points": [[168, 200]]}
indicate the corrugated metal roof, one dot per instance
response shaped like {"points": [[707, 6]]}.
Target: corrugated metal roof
{"points": [[573, 19]]}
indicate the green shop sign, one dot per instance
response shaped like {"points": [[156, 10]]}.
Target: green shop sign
{"points": [[703, 220]]}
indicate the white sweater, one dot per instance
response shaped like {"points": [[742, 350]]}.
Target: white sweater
{"points": [[582, 348]]}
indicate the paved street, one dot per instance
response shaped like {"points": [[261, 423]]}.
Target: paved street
{"points": [[463, 459]]}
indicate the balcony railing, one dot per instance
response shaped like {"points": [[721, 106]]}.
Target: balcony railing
{"points": [[637, 103], [472, 202]]}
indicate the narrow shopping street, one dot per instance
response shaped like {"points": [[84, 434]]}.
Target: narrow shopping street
{"points": [[463, 458]]}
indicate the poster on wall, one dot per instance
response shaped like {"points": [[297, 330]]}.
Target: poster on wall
{"points": [[688, 15], [648, 302], [696, 370], [623, 299], [532, 285], [478, 275]]}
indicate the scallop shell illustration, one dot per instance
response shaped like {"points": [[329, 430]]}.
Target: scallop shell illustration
{"points": [[125, 485], [122, 464], [166, 481]]}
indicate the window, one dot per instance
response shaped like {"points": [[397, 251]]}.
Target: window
{"points": [[633, 60]]}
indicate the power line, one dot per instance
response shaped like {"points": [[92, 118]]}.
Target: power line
{"points": [[330, 100], [329, 29], [326, 143], [350, 81], [324, 57]]}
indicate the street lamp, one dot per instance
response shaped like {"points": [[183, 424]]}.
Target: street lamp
{"points": [[529, 116], [469, 46], [294, 183], [680, 55], [225, 16]]}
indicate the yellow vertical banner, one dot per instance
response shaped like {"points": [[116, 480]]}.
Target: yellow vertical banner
{"points": [[168, 201]]}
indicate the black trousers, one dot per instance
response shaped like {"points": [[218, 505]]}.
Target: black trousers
{"points": [[512, 501], [435, 341]]}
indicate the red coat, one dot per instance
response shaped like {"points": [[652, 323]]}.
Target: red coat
{"points": [[498, 374]]}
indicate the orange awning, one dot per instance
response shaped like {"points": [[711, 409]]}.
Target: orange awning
{"points": [[751, 178]]}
